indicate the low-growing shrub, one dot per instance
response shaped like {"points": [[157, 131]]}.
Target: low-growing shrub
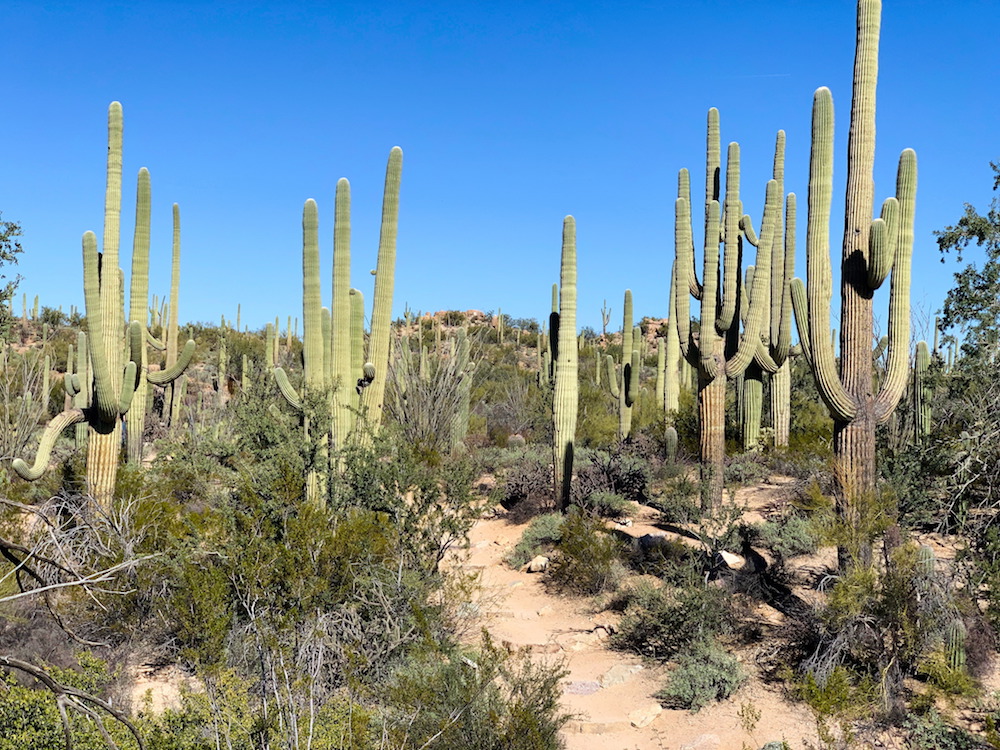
{"points": [[606, 504], [705, 673], [658, 623], [541, 536], [587, 560], [788, 536]]}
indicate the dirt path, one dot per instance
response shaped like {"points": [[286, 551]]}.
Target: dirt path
{"points": [[611, 692]]}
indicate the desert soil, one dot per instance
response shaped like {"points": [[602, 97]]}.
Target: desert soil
{"points": [[610, 693]]}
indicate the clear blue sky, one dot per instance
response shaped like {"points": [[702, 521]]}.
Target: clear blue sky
{"points": [[510, 115]]}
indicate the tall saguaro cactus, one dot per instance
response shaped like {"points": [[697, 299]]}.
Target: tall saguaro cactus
{"points": [[872, 250], [333, 340], [719, 350], [115, 353], [567, 362]]}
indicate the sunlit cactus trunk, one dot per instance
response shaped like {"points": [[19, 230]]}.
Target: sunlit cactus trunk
{"points": [[567, 362]]}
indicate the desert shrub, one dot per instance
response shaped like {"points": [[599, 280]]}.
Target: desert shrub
{"points": [[790, 535], [606, 504], [705, 673], [676, 500], [541, 536], [485, 700], [613, 471], [587, 559], [659, 622], [931, 732], [747, 468], [842, 693], [526, 487]]}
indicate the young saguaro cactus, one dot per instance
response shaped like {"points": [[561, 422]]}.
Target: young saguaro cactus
{"points": [[871, 251], [921, 393], [567, 364], [623, 383]]}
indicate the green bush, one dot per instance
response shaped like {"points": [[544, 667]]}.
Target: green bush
{"points": [[659, 622], [789, 536], [606, 504], [541, 536], [587, 560], [705, 673], [488, 700]]}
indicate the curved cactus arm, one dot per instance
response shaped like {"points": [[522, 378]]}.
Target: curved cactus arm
{"points": [[162, 377], [884, 234], [781, 344], [819, 274], [71, 382], [630, 374], [51, 433], [800, 305], [155, 342], [690, 272], [286, 388], [899, 291], [105, 404], [731, 218], [683, 263], [759, 302], [130, 381], [746, 225], [612, 376]]}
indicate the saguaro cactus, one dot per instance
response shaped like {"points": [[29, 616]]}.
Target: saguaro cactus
{"points": [[623, 382], [332, 346], [567, 362], [114, 381], [921, 393], [718, 350], [871, 251]]}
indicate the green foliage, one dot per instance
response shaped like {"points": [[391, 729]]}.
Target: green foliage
{"points": [[541, 536], [971, 302], [659, 622], [485, 700], [842, 693], [704, 673], [10, 248], [588, 557], [931, 732], [788, 536], [606, 504]]}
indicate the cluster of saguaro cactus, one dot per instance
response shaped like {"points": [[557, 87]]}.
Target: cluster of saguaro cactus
{"points": [[623, 381], [333, 341], [566, 371], [116, 365], [719, 350], [872, 250]]}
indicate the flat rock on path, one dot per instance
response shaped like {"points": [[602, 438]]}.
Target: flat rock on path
{"points": [[610, 693]]}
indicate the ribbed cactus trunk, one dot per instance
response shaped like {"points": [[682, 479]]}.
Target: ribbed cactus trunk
{"points": [[340, 342], [871, 251], [135, 420], [373, 397], [313, 347], [567, 362], [781, 394], [105, 437], [753, 405], [172, 398]]}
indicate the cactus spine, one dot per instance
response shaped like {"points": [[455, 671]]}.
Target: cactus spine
{"points": [[566, 392], [871, 251], [954, 645]]}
